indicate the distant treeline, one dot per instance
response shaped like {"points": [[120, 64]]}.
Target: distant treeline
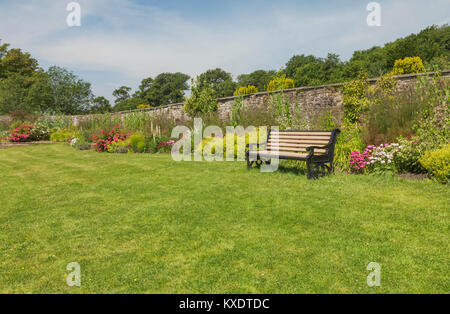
{"points": [[26, 86]]}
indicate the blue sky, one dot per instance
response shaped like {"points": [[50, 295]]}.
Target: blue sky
{"points": [[120, 42]]}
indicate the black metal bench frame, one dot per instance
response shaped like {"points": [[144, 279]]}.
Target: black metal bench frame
{"points": [[317, 165]]}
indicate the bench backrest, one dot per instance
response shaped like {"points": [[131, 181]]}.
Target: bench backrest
{"points": [[298, 141]]}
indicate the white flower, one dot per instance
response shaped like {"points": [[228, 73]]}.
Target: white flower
{"points": [[73, 142]]}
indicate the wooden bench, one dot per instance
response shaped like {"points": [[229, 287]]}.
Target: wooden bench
{"points": [[314, 147]]}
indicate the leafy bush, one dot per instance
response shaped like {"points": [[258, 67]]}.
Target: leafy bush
{"points": [[241, 91], [433, 126], [391, 116], [355, 98], [101, 142], [41, 131], [211, 143], [408, 65], [202, 101], [348, 141], [279, 83], [406, 160], [64, 135], [143, 106], [155, 144], [120, 147], [236, 110], [27, 132], [437, 163], [137, 142], [21, 133], [381, 158], [358, 161]]}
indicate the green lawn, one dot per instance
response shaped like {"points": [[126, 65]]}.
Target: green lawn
{"points": [[146, 224]]}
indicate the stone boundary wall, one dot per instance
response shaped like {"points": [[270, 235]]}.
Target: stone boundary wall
{"points": [[312, 99]]}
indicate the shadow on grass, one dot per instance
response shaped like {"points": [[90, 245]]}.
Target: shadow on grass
{"points": [[293, 167]]}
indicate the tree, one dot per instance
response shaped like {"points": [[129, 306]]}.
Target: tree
{"points": [[121, 94], [128, 104], [218, 80], [166, 88], [100, 105], [145, 86], [29, 93], [259, 78], [315, 71], [202, 100], [14, 61], [296, 62], [71, 95], [3, 51]]}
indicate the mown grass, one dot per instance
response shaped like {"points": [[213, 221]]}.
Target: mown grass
{"points": [[146, 224]]}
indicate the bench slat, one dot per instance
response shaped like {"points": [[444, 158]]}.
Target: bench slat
{"points": [[306, 138], [290, 144], [311, 142], [294, 149], [281, 154], [304, 133]]}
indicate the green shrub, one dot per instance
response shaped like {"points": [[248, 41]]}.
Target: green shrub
{"points": [[202, 101], [137, 142], [391, 116], [408, 65], [437, 163], [241, 91], [348, 141], [40, 132], [407, 158], [211, 143], [64, 135], [144, 106], [159, 144], [433, 126], [236, 110], [355, 98], [121, 146], [279, 83], [326, 122]]}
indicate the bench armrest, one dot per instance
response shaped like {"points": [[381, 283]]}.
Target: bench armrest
{"points": [[311, 149]]}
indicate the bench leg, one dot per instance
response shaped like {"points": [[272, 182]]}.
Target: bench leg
{"points": [[249, 163], [317, 170], [308, 166]]}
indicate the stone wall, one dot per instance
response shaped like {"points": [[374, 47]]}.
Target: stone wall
{"points": [[313, 100]]}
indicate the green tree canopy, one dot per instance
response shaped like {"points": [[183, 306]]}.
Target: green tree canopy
{"points": [[218, 80], [121, 94], [166, 88], [71, 94], [15, 61], [258, 78], [100, 105], [30, 93]]}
